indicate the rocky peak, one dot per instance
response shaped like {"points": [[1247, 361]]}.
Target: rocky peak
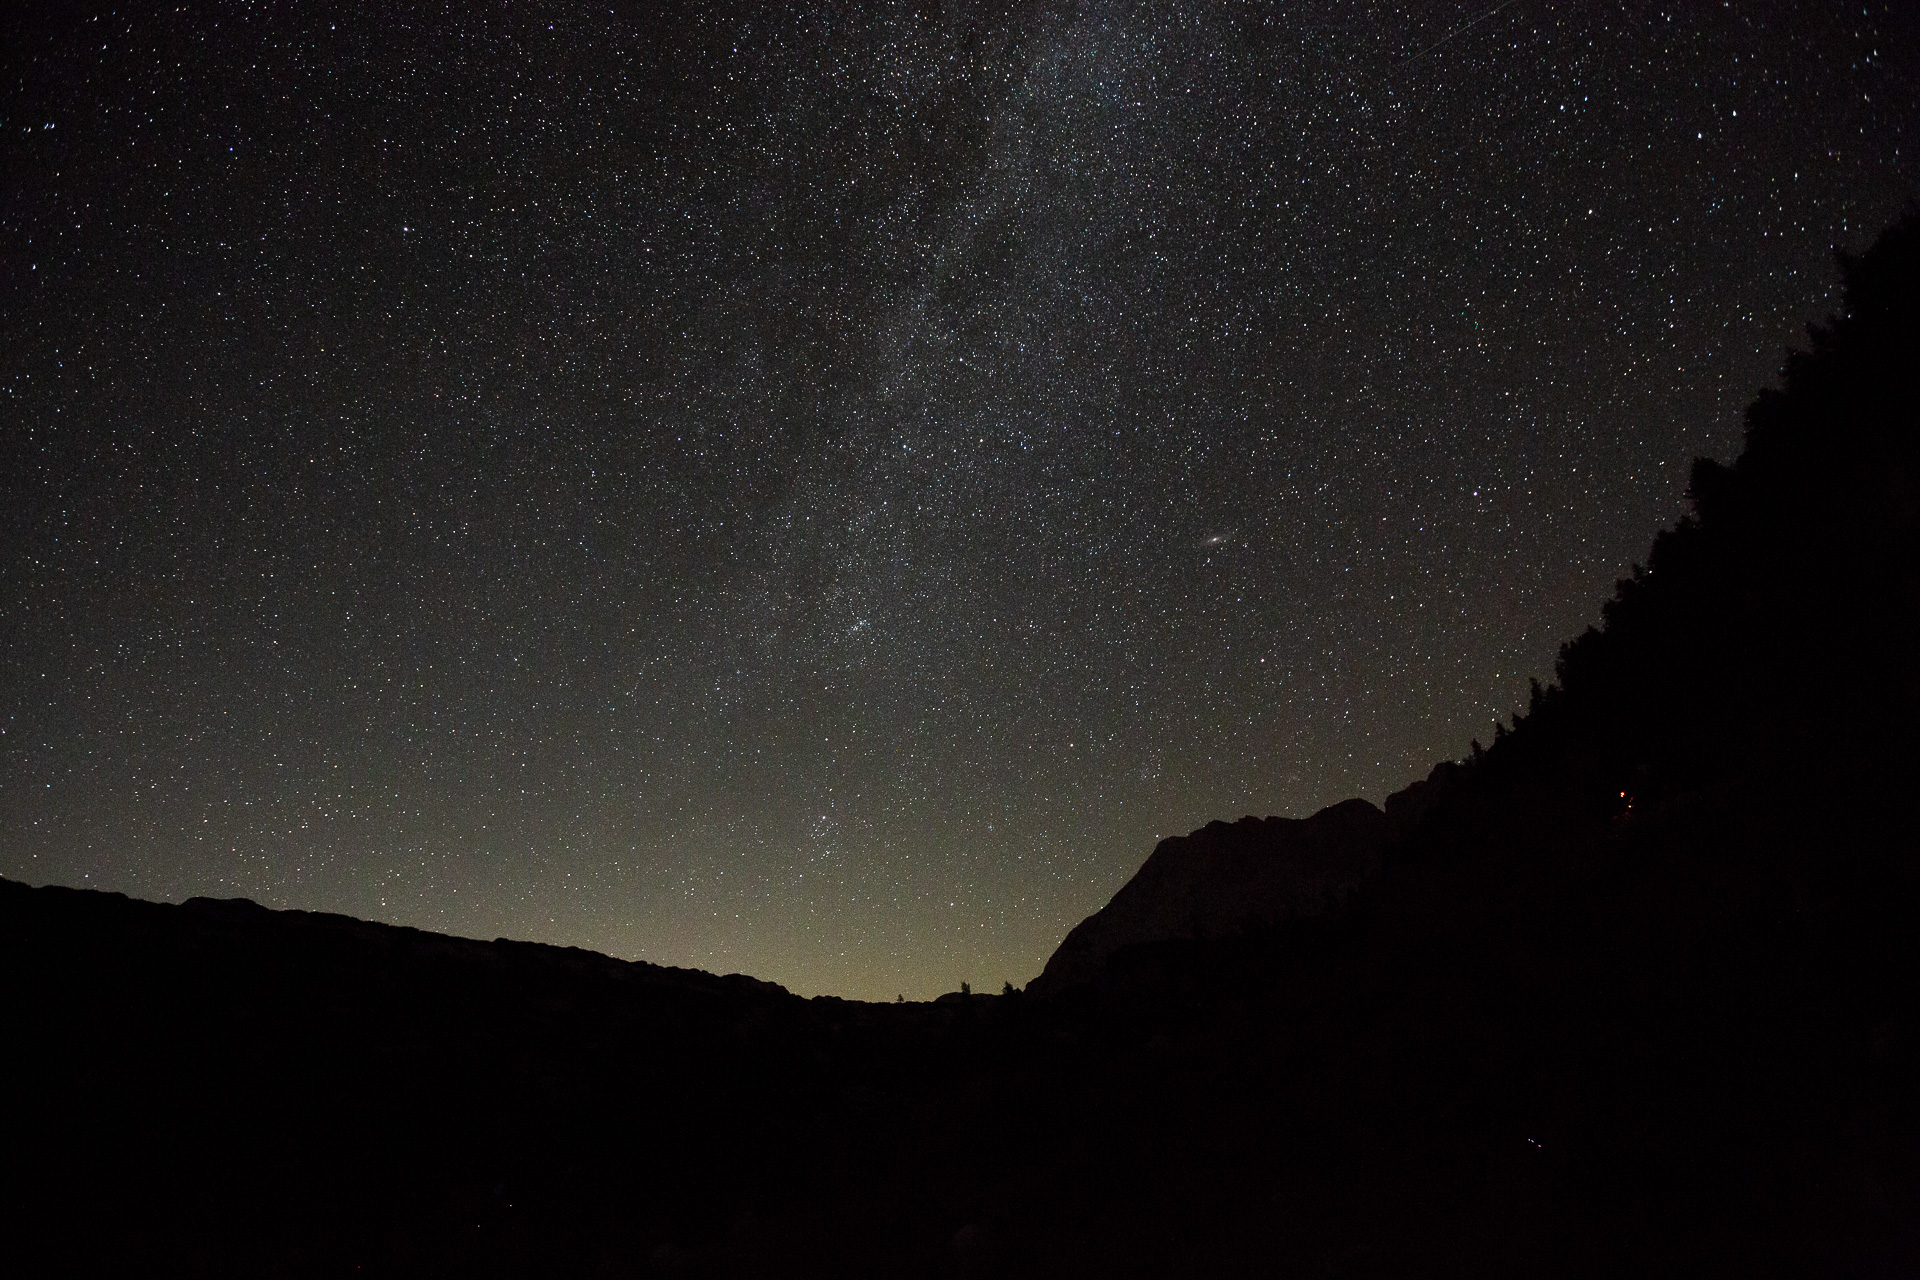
{"points": [[1225, 879]]}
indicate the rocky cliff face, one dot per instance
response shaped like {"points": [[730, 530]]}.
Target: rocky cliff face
{"points": [[1228, 878]]}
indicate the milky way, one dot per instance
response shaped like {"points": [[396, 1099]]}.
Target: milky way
{"points": [[818, 494]]}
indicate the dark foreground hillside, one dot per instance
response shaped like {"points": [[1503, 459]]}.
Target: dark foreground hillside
{"points": [[1634, 996]]}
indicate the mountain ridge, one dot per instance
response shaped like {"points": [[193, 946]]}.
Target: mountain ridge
{"points": [[1227, 878]]}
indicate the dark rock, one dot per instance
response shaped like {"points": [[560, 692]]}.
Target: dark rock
{"points": [[1407, 808], [1226, 879]]}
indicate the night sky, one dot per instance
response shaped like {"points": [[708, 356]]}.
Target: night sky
{"points": [[818, 494]]}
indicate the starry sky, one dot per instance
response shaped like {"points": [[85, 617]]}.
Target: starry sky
{"points": [[817, 491]]}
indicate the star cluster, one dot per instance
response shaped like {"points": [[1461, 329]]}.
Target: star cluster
{"points": [[818, 491]]}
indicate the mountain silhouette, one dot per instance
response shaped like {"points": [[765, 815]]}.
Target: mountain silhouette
{"points": [[1233, 878], [1627, 991], [1224, 879]]}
